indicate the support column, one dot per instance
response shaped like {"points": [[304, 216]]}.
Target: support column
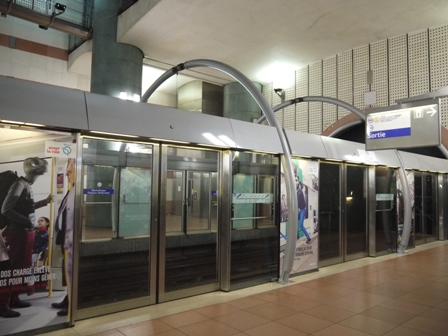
{"points": [[239, 103], [116, 67]]}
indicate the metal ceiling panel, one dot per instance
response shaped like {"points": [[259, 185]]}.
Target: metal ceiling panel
{"points": [[50, 105], [387, 157], [338, 149], [410, 160], [113, 115], [256, 137], [355, 152], [432, 163], [306, 144]]}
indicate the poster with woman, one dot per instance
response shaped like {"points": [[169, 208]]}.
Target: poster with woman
{"points": [[30, 269], [306, 174]]}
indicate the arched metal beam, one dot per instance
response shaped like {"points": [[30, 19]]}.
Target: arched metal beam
{"points": [[402, 172], [270, 116]]}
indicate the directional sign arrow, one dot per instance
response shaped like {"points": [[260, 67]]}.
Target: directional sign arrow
{"points": [[432, 112]]}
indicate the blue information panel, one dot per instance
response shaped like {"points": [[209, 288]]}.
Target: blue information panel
{"points": [[98, 191], [408, 125], [389, 125]]}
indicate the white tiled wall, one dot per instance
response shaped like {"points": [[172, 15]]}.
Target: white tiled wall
{"points": [[34, 67], [24, 65], [30, 31]]}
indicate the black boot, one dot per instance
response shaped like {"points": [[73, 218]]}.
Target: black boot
{"points": [[19, 304], [63, 312], [7, 313], [61, 305]]}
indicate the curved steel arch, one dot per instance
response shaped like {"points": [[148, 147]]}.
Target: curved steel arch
{"points": [[270, 116], [407, 218]]}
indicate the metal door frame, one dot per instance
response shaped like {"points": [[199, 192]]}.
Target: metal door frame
{"points": [[369, 179], [160, 294], [109, 308], [423, 211], [339, 259]]}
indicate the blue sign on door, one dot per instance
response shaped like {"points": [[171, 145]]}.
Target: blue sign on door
{"points": [[98, 191]]}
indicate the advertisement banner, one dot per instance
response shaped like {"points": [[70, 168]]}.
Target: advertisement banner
{"points": [[307, 192], [36, 226], [400, 204]]}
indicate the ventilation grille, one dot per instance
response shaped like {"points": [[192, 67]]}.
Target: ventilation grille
{"points": [[315, 108], [398, 68], [289, 113], [329, 89], [360, 67], [267, 91], [438, 51], [345, 81], [402, 66], [418, 63], [378, 65], [302, 108]]}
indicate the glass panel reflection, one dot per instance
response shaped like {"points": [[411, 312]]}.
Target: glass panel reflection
{"points": [[191, 218], [255, 234], [356, 210], [419, 233], [174, 203], [98, 208], [116, 204], [431, 231], [135, 202], [329, 213], [386, 229]]}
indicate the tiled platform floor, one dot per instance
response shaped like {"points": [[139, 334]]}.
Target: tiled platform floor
{"points": [[404, 294]]}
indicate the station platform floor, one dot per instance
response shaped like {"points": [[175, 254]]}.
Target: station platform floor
{"points": [[392, 295]]}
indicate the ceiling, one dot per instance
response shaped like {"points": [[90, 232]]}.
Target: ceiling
{"points": [[266, 38]]}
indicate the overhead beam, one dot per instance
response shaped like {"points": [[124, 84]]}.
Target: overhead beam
{"points": [[11, 8]]}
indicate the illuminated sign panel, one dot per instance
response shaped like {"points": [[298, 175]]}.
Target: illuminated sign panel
{"points": [[408, 125]]}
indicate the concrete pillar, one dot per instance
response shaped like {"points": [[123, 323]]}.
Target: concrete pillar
{"points": [[116, 67], [201, 97], [239, 104]]}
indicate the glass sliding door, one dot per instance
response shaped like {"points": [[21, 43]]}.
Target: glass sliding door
{"points": [[356, 212], [330, 235], [114, 254], [431, 218], [425, 208], [343, 234], [385, 211], [254, 222], [189, 222]]}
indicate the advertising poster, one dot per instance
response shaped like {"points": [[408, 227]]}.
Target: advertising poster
{"points": [[35, 267], [400, 204], [306, 175]]}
